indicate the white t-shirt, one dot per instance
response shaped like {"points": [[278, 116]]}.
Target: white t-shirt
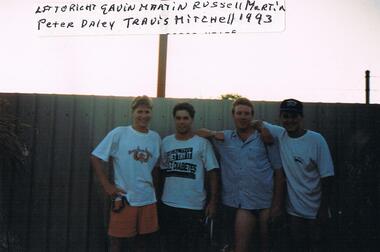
{"points": [[134, 156], [184, 164], [305, 160]]}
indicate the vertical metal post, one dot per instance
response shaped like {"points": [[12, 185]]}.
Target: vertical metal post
{"points": [[367, 88], [162, 56]]}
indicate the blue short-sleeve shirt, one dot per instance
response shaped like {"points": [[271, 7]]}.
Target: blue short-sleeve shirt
{"points": [[247, 170]]}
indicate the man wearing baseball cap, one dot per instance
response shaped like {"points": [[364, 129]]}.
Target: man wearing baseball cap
{"points": [[292, 105], [308, 167]]}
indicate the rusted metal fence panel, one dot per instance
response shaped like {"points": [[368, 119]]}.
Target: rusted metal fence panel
{"points": [[56, 204]]}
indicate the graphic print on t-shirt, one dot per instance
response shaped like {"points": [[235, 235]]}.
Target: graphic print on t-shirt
{"points": [[312, 165], [299, 160], [140, 155], [177, 166]]}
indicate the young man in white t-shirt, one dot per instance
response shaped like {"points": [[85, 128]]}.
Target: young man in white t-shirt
{"points": [[187, 160], [309, 170], [134, 151]]}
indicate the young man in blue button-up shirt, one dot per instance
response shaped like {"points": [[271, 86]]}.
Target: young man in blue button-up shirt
{"points": [[252, 178]]}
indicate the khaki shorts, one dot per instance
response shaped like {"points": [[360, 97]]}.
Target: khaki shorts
{"points": [[131, 221]]}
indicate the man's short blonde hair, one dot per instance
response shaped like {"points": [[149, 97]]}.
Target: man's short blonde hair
{"points": [[242, 101], [141, 100]]}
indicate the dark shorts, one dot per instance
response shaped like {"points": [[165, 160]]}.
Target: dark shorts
{"points": [[181, 228], [305, 233], [231, 211], [256, 212]]}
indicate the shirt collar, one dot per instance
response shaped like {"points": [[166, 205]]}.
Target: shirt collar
{"points": [[254, 135]]}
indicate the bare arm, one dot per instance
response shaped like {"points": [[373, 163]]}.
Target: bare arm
{"points": [[206, 133], [158, 181], [110, 189], [266, 136], [213, 186], [326, 186], [278, 193]]}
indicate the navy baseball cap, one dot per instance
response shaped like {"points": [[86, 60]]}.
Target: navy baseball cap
{"points": [[291, 105]]}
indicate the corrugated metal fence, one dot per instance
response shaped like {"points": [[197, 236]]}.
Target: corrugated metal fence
{"points": [[55, 204]]}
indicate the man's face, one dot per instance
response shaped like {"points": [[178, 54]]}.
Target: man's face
{"points": [[183, 121], [291, 121], [141, 116], [242, 117]]}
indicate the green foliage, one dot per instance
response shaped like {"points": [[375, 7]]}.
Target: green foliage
{"points": [[230, 97]]}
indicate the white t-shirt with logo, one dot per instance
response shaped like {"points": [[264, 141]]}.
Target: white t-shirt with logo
{"points": [[184, 164], [134, 156], [305, 160]]}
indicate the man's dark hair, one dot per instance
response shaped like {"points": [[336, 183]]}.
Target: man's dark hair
{"points": [[242, 101], [184, 106]]}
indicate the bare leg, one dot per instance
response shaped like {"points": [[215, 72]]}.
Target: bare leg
{"points": [[245, 223], [148, 242], [264, 230], [115, 244]]}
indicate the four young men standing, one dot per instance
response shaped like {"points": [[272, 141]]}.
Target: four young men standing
{"points": [[251, 172]]}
